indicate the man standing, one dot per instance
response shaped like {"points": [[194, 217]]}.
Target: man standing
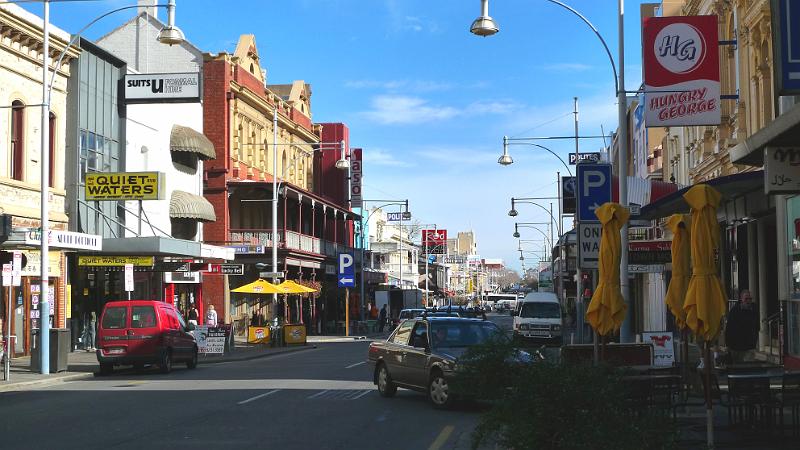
{"points": [[382, 319], [741, 330]]}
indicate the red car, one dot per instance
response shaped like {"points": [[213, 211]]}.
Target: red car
{"points": [[140, 332]]}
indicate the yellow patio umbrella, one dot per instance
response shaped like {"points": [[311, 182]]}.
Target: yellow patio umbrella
{"points": [[607, 309], [293, 287], [260, 286], [681, 266], [705, 299]]}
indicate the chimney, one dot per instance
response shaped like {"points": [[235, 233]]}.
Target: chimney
{"points": [[147, 6]]}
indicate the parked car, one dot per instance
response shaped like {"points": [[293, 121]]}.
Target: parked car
{"points": [[539, 318], [139, 332], [421, 355]]}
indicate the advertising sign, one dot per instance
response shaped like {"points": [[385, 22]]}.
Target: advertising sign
{"points": [[258, 335], [294, 334], [66, 239], [786, 45], [568, 195], [115, 261], [356, 171], [113, 186], [434, 241], [594, 189], [663, 348], [681, 71], [162, 87], [215, 340], [782, 169]]}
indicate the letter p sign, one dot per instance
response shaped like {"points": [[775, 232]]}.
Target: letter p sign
{"points": [[346, 274]]}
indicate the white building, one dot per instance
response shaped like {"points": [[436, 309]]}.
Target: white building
{"points": [[393, 250]]}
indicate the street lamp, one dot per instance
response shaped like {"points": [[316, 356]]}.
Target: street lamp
{"points": [[506, 159], [513, 212], [168, 35], [484, 25]]}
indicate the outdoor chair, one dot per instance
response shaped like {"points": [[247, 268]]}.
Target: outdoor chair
{"points": [[718, 396], [789, 396], [751, 399]]}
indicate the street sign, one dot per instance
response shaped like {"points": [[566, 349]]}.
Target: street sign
{"points": [[781, 172], [786, 45], [589, 245], [594, 189], [16, 269], [227, 269], [270, 274], [591, 157], [346, 274], [128, 277], [6, 274]]}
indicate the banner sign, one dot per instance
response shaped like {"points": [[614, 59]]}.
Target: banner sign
{"points": [[681, 71], [162, 87], [356, 171], [209, 340], [124, 186], [663, 348], [115, 261], [434, 241], [66, 239]]}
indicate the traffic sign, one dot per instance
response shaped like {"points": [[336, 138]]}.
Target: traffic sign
{"points": [[594, 189], [270, 274], [591, 157], [589, 245], [786, 46], [346, 275], [228, 269], [128, 277]]}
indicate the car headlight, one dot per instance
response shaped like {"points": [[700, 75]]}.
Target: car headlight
{"points": [[556, 327], [524, 326]]}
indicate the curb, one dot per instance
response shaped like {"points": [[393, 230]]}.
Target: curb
{"points": [[261, 355], [13, 387]]}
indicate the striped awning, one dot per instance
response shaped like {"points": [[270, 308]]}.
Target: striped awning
{"points": [[183, 205], [185, 139]]}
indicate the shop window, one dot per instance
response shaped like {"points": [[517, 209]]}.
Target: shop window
{"points": [[17, 163]]}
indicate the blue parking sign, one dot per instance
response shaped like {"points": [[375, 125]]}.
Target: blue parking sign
{"points": [[346, 273], [594, 189]]}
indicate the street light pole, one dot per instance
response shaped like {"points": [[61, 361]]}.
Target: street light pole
{"points": [[44, 160], [275, 239], [622, 105]]}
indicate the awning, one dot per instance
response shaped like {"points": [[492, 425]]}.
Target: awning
{"points": [[185, 139], [783, 131], [183, 205], [159, 246], [731, 186]]}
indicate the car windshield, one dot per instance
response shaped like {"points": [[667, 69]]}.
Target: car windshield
{"points": [[409, 313], [540, 310], [462, 334]]}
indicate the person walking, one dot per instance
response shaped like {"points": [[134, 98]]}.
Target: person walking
{"points": [[89, 331], [193, 315], [211, 316], [741, 330], [382, 319]]}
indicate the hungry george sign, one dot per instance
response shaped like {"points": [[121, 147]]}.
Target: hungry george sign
{"points": [[681, 71]]}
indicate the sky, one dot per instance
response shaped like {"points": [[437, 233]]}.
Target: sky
{"points": [[428, 101]]}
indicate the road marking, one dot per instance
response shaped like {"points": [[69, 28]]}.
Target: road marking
{"points": [[360, 395], [318, 394], [258, 397], [442, 438], [356, 364]]}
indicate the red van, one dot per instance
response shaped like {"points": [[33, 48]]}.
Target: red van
{"points": [[140, 332]]}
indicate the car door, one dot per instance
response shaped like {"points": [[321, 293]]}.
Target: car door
{"points": [[144, 330], [397, 350], [416, 360]]}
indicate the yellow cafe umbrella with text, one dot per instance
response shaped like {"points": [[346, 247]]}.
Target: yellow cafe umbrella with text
{"points": [[293, 287], [681, 267], [260, 286], [607, 309]]}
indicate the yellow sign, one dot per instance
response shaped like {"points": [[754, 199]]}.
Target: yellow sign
{"points": [[34, 266], [116, 261], [294, 334], [68, 296], [258, 335], [125, 186]]}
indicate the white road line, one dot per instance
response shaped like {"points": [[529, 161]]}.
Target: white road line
{"points": [[258, 397], [360, 395], [356, 364], [318, 394]]}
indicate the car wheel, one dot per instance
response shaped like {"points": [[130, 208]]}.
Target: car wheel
{"points": [[166, 361], [192, 363], [385, 385], [106, 368], [439, 391]]}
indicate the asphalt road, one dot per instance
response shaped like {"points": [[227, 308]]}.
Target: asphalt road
{"points": [[321, 398]]}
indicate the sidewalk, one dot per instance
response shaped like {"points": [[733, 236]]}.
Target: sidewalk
{"points": [[84, 365], [336, 338]]}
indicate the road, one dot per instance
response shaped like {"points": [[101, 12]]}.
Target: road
{"points": [[321, 398]]}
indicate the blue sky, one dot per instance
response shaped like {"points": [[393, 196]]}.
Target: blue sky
{"points": [[428, 101]]}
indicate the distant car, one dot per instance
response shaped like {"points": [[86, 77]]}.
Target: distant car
{"points": [[539, 317], [138, 332], [410, 313], [421, 355]]}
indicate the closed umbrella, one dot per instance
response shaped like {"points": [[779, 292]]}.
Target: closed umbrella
{"points": [[607, 308], [705, 299], [681, 265]]}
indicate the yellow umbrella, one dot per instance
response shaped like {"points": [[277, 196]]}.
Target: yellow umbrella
{"points": [[296, 288], [607, 309], [681, 264], [705, 299], [260, 286]]}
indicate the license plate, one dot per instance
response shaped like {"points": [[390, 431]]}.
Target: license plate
{"points": [[539, 333], [115, 351]]}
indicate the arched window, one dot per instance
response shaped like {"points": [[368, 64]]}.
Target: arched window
{"points": [[52, 150], [17, 162]]}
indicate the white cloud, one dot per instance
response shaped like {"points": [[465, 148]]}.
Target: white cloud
{"points": [[380, 157], [567, 67], [402, 109], [397, 85]]}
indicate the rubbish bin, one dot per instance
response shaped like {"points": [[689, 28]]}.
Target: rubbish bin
{"points": [[276, 336], [60, 341]]}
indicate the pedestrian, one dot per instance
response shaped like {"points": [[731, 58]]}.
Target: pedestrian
{"points": [[382, 319], [89, 331], [193, 315], [373, 313], [211, 316], [741, 330]]}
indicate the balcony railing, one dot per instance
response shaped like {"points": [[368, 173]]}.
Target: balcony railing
{"points": [[290, 240]]}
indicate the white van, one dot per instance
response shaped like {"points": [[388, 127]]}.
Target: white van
{"points": [[538, 317]]}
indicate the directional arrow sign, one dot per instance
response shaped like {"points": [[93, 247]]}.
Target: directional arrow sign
{"points": [[594, 189], [346, 275]]}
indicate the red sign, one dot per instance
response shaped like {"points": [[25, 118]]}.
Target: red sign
{"points": [[356, 172], [649, 246], [434, 241], [681, 71]]}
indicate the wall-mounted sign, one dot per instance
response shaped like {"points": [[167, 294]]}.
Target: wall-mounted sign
{"points": [[248, 249], [681, 71], [162, 87], [124, 186], [115, 261], [434, 241], [782, 170], [786, 45], [356, 171], [66, 239]]}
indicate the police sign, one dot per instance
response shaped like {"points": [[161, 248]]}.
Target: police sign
{"points": [[346, 273]]}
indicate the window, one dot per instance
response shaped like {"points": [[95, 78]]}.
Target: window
{"points": [[402, 334], [540, 310], [17, 163], [420, 335], [115, 318], [143, 317], [52, 144]]}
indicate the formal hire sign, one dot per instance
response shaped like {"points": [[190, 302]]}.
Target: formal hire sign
{"points": [[162, 87], [114, 186]]}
